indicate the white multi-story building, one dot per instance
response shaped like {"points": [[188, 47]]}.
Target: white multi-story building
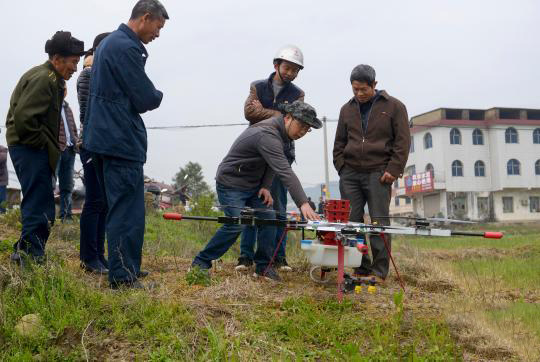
{"points": [[485, 165]]}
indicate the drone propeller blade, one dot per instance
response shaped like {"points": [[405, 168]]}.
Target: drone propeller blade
{"points": [[245, 208], [452, 221], [179, 217], [434, 219]]}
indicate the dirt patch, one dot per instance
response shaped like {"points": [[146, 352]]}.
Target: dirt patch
{"points": [[478, 344]]}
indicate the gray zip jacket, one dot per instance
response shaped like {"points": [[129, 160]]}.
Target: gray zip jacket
{"points": [[256, 156]]}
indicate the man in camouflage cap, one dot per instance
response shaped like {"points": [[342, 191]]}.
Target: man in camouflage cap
{"points": [[244, 178], [33, 124]]}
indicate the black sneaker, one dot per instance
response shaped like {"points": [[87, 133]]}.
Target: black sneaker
{"points": [[244, 263], [283, 266], [22, 259], [132, 284], [143, 273], [94, 267], [268, 274]]}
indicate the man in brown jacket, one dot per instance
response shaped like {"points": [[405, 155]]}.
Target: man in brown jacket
{"points": [[370, 152]]}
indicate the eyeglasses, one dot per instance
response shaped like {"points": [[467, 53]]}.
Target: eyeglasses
{"points": [[304, 127]]}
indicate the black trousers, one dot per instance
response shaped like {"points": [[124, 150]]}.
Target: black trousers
{"points": [[122, 184], [94, 213], [37, 206], [361, 188]]}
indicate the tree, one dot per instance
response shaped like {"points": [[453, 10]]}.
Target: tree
{"points": [[191, 177]]}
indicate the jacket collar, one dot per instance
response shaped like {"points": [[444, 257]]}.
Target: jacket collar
{"points": [[381, 94], [131, 34], [57, 77], [271, 80], [280, 122]]}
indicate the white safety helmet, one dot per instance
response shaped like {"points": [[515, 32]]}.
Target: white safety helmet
{"points": [[291, 54]]}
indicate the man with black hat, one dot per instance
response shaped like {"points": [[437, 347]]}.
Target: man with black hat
{"points": [[244, 178], [33, 124], [114, 132]]}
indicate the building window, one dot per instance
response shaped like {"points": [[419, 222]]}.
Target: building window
{"points": [[407, 200], [537, 167], [457, 168], [396, 184], [428, 141], [508, 204], [410, 170], [455, 137], [429, 168], [477, 137], [533, 114], [512, 167], [396, 201], [476, 115], [479, 169], [454, 113], [411, 149], [536, 136], [509, 113], [534, 203], [511, 135]]}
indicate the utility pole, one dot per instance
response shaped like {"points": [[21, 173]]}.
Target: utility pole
{"points": [[326, 177]]}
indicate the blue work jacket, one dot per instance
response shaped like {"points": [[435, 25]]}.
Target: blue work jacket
{"points": [[120, 91]]}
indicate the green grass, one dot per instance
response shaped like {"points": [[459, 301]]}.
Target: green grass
{"points": [[498, 271], [522, 272], [518, 315], [514, 236], [297, 328], [148, 326]]}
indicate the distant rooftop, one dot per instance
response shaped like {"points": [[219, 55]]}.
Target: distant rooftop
{"points": [[435, 116]]}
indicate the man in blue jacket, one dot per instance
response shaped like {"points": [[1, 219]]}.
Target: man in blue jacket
{"points": [[115, 133]]}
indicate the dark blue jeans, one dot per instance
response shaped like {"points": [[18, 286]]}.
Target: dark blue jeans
{"points": [[3, 198], [249, 235], [122, 183], [37, 206], [94, 213], [64, 173], [226, 236]]}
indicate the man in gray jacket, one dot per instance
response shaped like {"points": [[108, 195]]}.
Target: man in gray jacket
{"points": [[244, 178]]}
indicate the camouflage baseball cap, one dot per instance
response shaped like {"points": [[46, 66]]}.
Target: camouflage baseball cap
{"points": [[302, 112]]}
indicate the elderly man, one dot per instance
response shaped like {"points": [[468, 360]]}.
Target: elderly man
{"points": [[115, 133], [370, 151], [244, 178], [33, 123]]}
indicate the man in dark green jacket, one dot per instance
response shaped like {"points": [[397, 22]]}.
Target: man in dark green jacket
{"points": [[33, 123]]}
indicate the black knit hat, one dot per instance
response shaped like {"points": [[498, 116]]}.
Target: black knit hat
{"points": [[62, 43], [98, 40]]}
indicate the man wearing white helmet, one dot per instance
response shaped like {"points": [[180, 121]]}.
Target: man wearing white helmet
{"points": [[265, 96]]}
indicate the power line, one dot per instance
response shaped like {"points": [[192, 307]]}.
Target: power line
{"points": [[206, 125], [188, 126]]}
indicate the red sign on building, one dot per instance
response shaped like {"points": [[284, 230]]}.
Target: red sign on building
{"points": [[419, 182]]}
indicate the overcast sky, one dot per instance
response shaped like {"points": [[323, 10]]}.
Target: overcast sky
{"points": [[428, 54]]}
